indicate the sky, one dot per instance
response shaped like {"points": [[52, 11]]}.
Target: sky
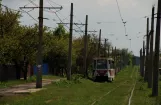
{"points": [[104, 11]]}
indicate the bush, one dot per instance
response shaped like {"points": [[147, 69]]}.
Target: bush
{"points": [[76, 78]]}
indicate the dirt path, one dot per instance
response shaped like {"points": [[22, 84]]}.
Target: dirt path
{"points": [[24, 87]]}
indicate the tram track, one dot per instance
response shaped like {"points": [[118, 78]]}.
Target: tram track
{"points": [[93, 103], [107, 93], [132, 91]]}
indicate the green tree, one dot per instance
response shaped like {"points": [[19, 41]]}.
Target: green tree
{"points": [[60, 31]]}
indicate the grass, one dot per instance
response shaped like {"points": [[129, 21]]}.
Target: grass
{"points": [[11, 83], [21, 81], [142, 94], [85, 92], [78, 92]]}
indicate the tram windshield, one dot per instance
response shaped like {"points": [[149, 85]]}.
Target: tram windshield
{"points": [[101, 64]]}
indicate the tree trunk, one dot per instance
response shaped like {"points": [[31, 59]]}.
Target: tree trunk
{"points": [[18, 71], [25, 68]]}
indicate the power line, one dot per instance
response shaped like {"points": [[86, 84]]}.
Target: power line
{"points": [[62, 21], [121, 17], [119, 11], [58, 16], [55, 3], [29, 3], [30, 15], [130, 20], [36, 6], [11, 8], [64, 18]]}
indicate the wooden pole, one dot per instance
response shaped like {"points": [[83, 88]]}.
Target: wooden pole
{"points": [[143, 62], [147, 52], [85, 48], [156, 54], [70, 45], [99, 44], [150, 79]]}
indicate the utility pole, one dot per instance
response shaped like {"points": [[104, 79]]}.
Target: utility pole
{"points": [[156, 54], [99, 43], [147, 53], [85, 48], [39, 54], [143, 61], [115, 55], [70, 45], [105, 48], [150, 79]]}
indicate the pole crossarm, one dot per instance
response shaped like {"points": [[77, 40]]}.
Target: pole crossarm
{"points": [[41, 7]]}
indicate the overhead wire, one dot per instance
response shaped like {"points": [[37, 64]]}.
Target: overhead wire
{"points": [[121, 17], [10, 8], [130, 20], [29, 15], [51, 11], [55, 2], [119, 11], [61, 19]]}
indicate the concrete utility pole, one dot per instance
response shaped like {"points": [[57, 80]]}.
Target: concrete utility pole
{"points": [[70, 45], [143, 61], [147, 53], [115, 55], [150, 79], [39, 54], [85, 48], [105, 48], [156, 54], [99, 43]]}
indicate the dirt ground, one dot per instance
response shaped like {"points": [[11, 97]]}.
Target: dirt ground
{"points": [[23, 87]]}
